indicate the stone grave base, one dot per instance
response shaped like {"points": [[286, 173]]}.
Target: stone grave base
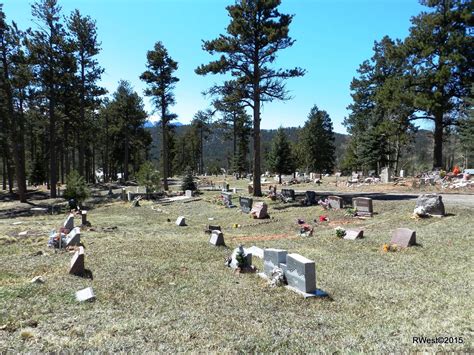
{"points": [[318, 293]]}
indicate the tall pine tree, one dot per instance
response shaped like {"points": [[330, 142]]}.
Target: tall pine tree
{"points": [[256, 33]]}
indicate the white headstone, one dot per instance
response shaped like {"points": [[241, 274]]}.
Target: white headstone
{"points": [[189, 193], [69, 222], [74, 237], [86, 294]]}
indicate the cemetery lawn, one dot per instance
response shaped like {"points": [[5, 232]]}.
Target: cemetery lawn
{"points": [[161, 287]]}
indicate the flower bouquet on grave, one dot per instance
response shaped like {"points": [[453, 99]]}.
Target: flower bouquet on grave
{"points": [[390, 248], [340, 232]]}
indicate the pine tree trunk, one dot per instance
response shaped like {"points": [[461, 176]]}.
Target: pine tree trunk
{"points": [[257, 188], [438, 141], [164, 149], [52, 148], [4, 172]]}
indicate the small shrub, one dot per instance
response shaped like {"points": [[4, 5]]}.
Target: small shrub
{"points": [[149, 177], [76, 187], [340, 232], [188, 181]]}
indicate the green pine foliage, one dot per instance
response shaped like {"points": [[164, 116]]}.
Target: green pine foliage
{"points": [[188, 181], [317, 142], [149, 177], [256, 34], [280, 158], [76, 187]]}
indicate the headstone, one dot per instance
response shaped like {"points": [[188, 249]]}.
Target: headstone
{"points": [[353, 234], [335, 202], [86, 294], [124, 194], [310, 198], [189, 193], [245, 204], [74, 237], [255, 251], [259, 210], [129, 196], [431, 204], [403, 237], [363, 206], [227, 198], [69, 222], [272, 258], [181, 221], [76, 266], [288, 194], [402, 173], [301, 273], [217, 238], [84, 218], [385, 175], [211, 228], [38, 210]]}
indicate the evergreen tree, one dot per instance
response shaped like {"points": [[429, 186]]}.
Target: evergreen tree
{"points": [[439, 53], [149, 177], [159, 77], [280, 157], [85, 45], [127, 119], [47, 45], [188, 181], [76, 187], [256, 33], [317, 140]]}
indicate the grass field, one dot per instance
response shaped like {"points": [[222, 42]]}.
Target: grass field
{"points": [[161, 287]]}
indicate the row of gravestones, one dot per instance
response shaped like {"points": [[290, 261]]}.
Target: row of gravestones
{"points": [[77, 263]]}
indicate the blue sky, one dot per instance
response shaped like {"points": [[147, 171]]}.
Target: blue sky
{"points": [[332, 38]]}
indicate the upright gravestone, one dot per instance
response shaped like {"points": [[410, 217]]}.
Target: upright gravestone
{"points": [[181, 221], [288, 194], [69, 222], [84, 218], [123, 195], [363, 206], [403, 237], [217, 238], [245, 204], [301, 273], [74, 237], [310, 198], [129, 196], [189, 193], [335, 202], [227, 199], [77, 262], [259, 210], [385, 175], [272, 258], [402, 173]]}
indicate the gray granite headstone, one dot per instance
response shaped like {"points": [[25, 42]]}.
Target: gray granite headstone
{"points": [[385, 175], [245, 204], [301, 273], [335, 202], [69, 222], [74, 237], [76, 266], [310, 198], [353, 234], [84, 218], [227, 198], [363, 206], [217, 238], [288, 194], [403, 237], [272, 258]]}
